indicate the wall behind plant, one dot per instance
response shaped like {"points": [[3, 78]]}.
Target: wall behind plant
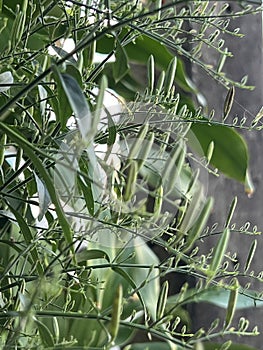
{"points": [[247, 60]]}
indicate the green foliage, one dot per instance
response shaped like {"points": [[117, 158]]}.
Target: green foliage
{"points": [[86, 189]]}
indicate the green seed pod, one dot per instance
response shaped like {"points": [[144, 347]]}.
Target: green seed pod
{"points": [[199, 226], [222, 61], [55, 328], [19, 155], [229, 102], [158, 201], [17, 28], [160, 82], [219, 253], [231, 212], [232, 301], [161, 303], [150, 69], [132, 171], [210, 151], [198, 346], [116, 313], [192, 211], [137, 145], [170, 167], [170, 75], [146, 148], [251, 254], [176, 168]]}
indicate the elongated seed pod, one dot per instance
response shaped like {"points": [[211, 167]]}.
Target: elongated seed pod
{"points": [[17, 29], [170, 75], [136, 146], [19, 155], [160, 82], [158, 201], [198, 227], [231, 306], [171, 163], [131, 180], [222, 61], [116, 313], [162, 299], [219, 253], [251, 254], [229, 102], [231, 211], [210, 151], [176, 168], [146, 148], [150, 68], [192, 211]]}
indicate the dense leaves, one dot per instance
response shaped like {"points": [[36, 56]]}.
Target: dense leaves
{"points": [[89, 190]]}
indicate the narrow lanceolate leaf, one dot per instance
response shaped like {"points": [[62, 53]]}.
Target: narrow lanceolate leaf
{"points": [[121, 65], [116, 313], [45, 334], [231, 212], [199, 225], [219, 253], [251, 254], [43, 197], [131, 180], [99, 104], [231, 306], [137, 145], [78, 104], [170, 75], [31, 152], [229, 101]]}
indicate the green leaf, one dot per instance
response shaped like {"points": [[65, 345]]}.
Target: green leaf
{"points": [[45, 334], [91, 254], [142, 48], [78, 103], [32, 154], [233, 346], [43, 196], [28, 237], [151, 346], [121, 66], [230, 154], [219, 297], [146, 277]]}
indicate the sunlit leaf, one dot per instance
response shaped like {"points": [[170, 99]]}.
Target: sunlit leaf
{"points": [[6, 80], [43, 196], [220, 297]]}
